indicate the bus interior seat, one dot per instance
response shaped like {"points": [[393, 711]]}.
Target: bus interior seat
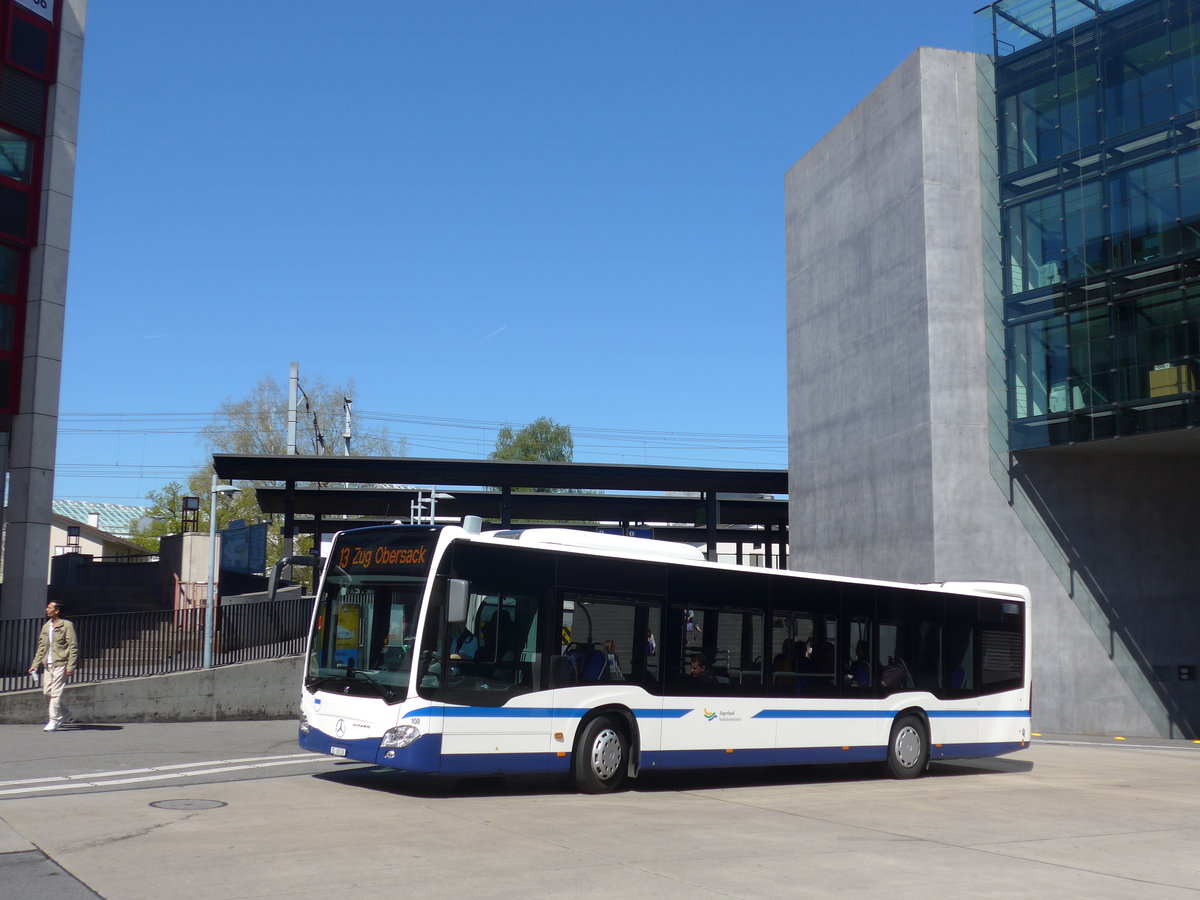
{"points": [[562, 672], [590, 662], [594, 666], [958, 678]]}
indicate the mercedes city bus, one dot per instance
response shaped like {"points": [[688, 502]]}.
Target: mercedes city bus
{"points": [[444, 650]]}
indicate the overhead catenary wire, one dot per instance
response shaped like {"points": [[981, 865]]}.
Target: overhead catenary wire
{"points": [[195, 423], [428, 436]]}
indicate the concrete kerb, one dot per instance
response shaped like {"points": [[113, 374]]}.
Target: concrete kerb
{"points": [[268, 689]]}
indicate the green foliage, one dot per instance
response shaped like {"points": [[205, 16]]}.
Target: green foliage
{"points": [[165, 514], [542, 440], [257, 423], [166, 509]]}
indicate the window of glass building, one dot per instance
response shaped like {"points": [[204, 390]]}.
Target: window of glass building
{"points": [[29, 44], [7, 400], [8, 321], [1098, 143], [10, 270], [1143, 207], [14, 212], [15, 156], [1035, 244], [1136, 73]]}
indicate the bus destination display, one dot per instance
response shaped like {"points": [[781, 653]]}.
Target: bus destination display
{"points": [[383, 557]]}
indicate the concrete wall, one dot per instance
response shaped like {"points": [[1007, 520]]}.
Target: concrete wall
{"points": [[34, 430], [253, 690], [895, 467], [858, 394]]}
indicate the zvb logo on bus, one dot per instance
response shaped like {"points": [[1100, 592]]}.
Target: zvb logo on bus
{"points": [[365, 557], [724, 715]]}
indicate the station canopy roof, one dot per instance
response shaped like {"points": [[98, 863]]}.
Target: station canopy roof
{"points": [[506, 491], [496, 473]]}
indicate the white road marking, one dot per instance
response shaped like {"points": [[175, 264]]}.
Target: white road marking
{"points": [[1126, 745], [156, 773]]}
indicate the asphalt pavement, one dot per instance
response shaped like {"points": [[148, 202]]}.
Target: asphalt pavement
{"points": [[235, 810]]}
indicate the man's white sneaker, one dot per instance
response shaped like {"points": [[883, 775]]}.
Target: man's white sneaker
{"points": [[51, 726]]}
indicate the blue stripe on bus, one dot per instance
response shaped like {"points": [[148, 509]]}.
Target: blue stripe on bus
{"points": [[978, 713], [425, 757], [970, 751], [887, 714], [549, 712], [363, 750], [531, 712], [503, 763], [823, 714], [670, 760], [760, 756]]}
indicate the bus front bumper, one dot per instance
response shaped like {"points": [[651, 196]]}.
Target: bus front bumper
{"points": [[422, 756]]}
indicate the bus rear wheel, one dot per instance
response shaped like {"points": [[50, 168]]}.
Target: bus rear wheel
{"points": [[908, 748], [601, 756]]}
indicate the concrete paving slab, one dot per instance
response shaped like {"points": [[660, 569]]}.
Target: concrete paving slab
{"points": [[1060, 820], [31, 876]]}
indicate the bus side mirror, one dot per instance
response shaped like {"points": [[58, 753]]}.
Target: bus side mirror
{"points": [[458, 595]]}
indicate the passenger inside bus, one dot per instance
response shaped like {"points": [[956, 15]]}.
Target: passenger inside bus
{"points": [[860, 668], [588, 663], [700, 672], [465, 645], [614, 662]]}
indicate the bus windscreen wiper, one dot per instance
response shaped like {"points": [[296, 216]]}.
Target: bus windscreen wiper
{"points": [[385, 691]]}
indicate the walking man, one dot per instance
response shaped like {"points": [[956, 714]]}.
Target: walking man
{"points": [[57, 651]]}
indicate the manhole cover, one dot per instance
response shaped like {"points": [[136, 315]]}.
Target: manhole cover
{"points": [[188, 804]]}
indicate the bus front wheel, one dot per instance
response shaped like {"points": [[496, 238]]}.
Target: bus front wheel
{"points": [[908, 748], [601, 756]]}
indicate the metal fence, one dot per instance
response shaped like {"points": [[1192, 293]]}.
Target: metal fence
{"points": [[128, 645]]}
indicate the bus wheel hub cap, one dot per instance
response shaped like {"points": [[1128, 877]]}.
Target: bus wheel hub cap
{"points": [[908, 746], [606, 753]]}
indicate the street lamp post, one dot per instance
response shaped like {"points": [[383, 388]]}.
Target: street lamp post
{"points": [[211, 611], [416, 508], [434, 496]]}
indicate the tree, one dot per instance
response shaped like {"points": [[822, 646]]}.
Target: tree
{"points": [[542, 440], [165, 514], [257, 423]]}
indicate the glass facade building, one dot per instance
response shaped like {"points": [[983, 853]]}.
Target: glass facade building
{"points": [[28, 58], [1097, 139]]}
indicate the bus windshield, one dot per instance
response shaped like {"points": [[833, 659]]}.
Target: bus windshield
{"points": [[366, 617]]}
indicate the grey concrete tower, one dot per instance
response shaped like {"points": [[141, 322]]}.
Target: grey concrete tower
{"points": [[897, 425], [32, 440]]}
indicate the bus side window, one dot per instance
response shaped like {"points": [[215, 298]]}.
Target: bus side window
{"points": [[607, 638], [959, 676]]}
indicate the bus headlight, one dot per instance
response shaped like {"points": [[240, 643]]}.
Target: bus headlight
{"points": [[400, 736]]}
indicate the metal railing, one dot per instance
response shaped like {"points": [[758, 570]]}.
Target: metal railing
{"points": [[133, 644]]}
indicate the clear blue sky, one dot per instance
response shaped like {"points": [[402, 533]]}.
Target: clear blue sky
{"points": [[480, 212]]}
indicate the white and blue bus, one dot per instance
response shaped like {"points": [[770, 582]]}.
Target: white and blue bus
{"points": [[449, 651]]}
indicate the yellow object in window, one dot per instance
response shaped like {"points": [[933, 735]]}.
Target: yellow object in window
{"points": [[1168, 380]]}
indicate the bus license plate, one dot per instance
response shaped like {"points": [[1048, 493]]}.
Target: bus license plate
{"points": [[338, 751]]}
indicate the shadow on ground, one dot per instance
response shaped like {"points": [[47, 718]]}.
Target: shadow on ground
{"points": [[379, 778]]}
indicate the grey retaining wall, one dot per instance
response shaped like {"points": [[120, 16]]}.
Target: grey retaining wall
{"points": [[268, 689]]}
